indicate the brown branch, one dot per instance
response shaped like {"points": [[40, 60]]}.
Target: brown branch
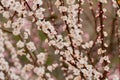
{"points": [[3, 6], [101, 25], [30, 9], [118, 39], [102, 38], [93, 14], [67, 27], [79, 10], [95, 22], [88, 53]]}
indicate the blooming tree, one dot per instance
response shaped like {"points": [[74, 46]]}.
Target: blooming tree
{"points": [[51, 40]]}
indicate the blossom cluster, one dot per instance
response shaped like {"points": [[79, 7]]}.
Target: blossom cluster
{"points": [[28, 38]]}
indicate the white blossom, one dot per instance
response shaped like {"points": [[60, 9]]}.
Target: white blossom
{"points": [[39, 71], [20, 44], [103, 1], [2, 76], [31, 46], [57, 3], [41, 58], [70, 1]]}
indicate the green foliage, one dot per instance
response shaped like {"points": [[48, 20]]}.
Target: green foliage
{"points": [[42, 35]]}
